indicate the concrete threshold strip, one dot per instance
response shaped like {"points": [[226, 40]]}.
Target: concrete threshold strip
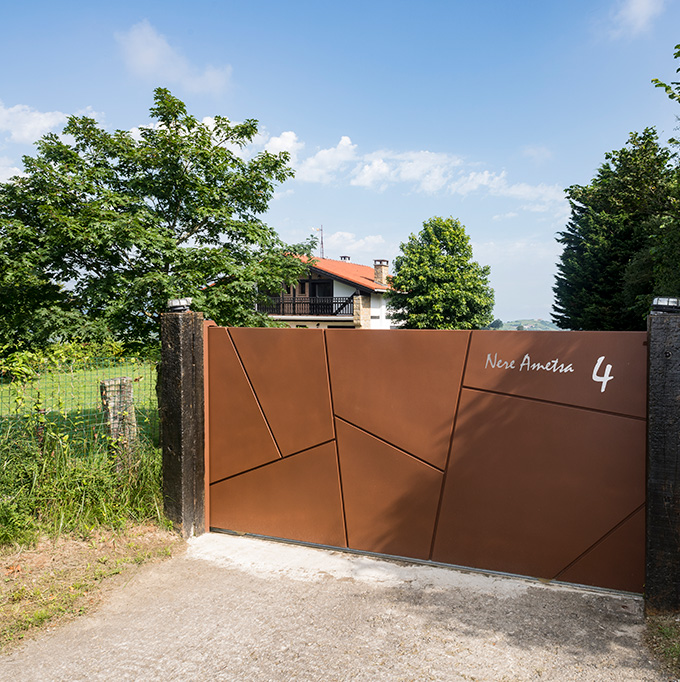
{"points": [[266, 555]]}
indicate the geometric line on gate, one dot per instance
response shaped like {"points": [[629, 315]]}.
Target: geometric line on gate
{"points": [[448, 454], [400, 386], [287, 369], [295, 498], [598, 542], [252, 388], [390, 496], [335, 437], [617, 562], [274, 461], [392, 445], [537, 493], [554, 402], [233, 403]]}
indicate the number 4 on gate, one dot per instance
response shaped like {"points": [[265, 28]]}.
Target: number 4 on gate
{"points": [[606, 377]]}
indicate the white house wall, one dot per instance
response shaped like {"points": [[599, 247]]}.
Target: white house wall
{"points": [[379, 318], [341, 290]]}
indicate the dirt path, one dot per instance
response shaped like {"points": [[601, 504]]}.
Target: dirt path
{"points": [[236, 608]]}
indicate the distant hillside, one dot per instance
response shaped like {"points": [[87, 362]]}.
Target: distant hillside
{"points": [[533, 325]]}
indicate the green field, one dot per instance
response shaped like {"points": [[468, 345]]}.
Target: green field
{"points": [[70, 398], [531, 325]]}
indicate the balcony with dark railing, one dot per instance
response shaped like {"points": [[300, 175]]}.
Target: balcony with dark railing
{"points": [[304, 305]]}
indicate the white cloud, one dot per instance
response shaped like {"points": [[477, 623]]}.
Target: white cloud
{"points": [[325, 163], [541, 197], [544, 194], [26, 125], [375, 173], [285, 142], [339, 244], [429, 171], [7, 170], [98, 116], [505, 216], [632, 17], [475, 180], [148, 55], [420, 171]]}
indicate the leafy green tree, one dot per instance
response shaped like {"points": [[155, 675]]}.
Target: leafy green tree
{"points": [[672, 89], [436, 284], [496, 324], [103, 228], [606, 274]]}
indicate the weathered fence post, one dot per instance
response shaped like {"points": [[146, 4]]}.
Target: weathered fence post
{"points": [[119, 416], [182, 417], [662, 570]]}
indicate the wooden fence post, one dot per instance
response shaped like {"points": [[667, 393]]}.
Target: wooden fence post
{"points": [[119, 416], [182, 420], [662, 569]]}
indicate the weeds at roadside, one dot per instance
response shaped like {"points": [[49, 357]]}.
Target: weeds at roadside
{"points": [[59, 579], [47, 488], [73, 516], [69, 523], [663, 638]]}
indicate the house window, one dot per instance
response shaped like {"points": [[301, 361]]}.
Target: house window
{"points": [[320, 289], [303, 288]]}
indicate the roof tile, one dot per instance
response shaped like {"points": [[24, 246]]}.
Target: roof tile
{"points": [[361, 275]]}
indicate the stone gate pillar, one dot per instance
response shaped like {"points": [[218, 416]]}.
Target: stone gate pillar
{"points": [[662, 569], [182, 417]]}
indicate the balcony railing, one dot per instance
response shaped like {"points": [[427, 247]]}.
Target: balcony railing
{"points": [[319, 305]]}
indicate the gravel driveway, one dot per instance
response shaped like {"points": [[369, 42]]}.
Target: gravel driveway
{"points": [[239, 608]]}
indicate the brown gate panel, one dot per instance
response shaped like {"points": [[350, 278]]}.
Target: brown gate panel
{"points": [[288, 374], [296, 497], [532, 486], [515, 451], [240, 438], [560, 367], [401, 387], [390, 497], [617, 561]]}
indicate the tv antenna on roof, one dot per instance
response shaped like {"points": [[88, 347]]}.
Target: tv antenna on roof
{"points": [[320, 229]]}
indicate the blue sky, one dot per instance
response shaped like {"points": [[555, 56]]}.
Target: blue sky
{"points": [[393, 112]]}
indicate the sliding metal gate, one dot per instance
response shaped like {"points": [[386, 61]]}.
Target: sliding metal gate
{"points": [[521, 452]]}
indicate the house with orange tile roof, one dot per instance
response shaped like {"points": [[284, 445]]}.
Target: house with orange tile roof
{"points": [[336, 294]]}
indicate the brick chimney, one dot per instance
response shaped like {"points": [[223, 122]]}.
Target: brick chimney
{"points": [[380, 270]]}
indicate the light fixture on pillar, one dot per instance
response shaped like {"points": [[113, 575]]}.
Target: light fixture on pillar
{"points": [[666, 305], [179, 305]]}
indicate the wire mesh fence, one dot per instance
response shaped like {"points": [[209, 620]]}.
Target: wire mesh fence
{"points": [[69, 398]]}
